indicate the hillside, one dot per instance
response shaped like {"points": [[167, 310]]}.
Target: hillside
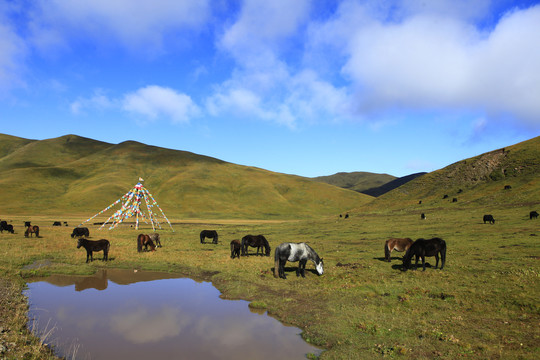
{"points": [[77, 175], [509, 176]]}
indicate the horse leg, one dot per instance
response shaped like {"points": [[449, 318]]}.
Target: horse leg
{"points": [[443, 257], [387, 252], [202, 239], [436, 260], [282, 268], [302, 267], [416, 262], [423, 263]]}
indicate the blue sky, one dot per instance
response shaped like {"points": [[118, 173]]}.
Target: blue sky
{"points": [[300, 87]]}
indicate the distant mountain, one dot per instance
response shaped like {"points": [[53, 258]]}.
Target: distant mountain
{"points": [[76, 175], [367, 183], [510, 175], [358, 181], [391, 185]]}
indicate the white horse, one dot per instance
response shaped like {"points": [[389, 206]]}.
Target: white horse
{"points": [[300, 252]]}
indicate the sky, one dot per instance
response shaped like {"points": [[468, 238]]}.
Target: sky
{"points": [[300, 87]]}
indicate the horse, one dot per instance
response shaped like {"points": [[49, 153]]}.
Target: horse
{"points": [[91, 245], [422, 248], [488, 218], [80, 232], [400, 245], [212, 234], [235, 249], [155, 238], [258, 241], [533, 215], [31, 230], [146, 241], [300, 252]]}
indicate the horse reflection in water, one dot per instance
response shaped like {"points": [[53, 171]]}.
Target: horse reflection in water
{"points": [[300, 252], [99, 282]]}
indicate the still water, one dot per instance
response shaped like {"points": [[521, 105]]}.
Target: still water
{"points": [[122, 314]]}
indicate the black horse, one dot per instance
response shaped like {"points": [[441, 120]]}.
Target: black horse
{"points": [[258, 241], [533, 215], [211, 234], [300, 252], [80, 232], [98, 245], [422, 248], [235, 249]]}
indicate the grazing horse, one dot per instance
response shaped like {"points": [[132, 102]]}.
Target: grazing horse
{"points": [[80, 232], [300, 252], [91, 245], [422, 248], [5, 226], [533, 215], [32, 229], [396, 244], [235, 249], [212, 234], [258, 241], [146, 241], [489, 218], [155, 238]]}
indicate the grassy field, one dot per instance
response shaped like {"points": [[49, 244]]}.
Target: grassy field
{"points": [[484, 304]]}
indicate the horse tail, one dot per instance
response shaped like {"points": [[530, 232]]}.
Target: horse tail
{"points": [[276, 262], [443, 253], [139, 242], [36, 230], [386, 251]]}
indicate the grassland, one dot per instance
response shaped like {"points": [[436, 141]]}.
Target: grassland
{"points": [[484, 304]]}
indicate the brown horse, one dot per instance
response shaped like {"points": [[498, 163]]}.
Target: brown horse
{"points": [[144, 240], [235, 249], [396, 244], [32, 229]]}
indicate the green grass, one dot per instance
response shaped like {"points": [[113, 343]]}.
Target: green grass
{"points": [[85, 176], [482, 305]]}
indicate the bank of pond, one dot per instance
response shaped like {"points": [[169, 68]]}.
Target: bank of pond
{"points": [[130, 314]]}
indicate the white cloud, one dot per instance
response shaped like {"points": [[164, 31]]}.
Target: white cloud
{"points": [[13, 52], [97, 101], [154, 101], [261, 27], [433, 55], [131, 22]]}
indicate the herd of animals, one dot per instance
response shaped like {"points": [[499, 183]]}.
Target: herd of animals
{"points": [[292, 252]]}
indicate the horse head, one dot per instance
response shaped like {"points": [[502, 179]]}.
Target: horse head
{"points": [[79, 243], [319, 267]]}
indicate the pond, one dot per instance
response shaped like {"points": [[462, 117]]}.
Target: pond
{"points": [[127, 314]]}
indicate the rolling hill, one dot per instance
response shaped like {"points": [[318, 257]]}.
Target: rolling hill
{"points": [[367, 183], [81, 176], [505, 177]]}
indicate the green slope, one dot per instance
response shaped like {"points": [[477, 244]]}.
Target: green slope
{"points": [[477, 181], [81, 176]]}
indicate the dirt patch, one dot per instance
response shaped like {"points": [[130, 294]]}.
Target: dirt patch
{"points": [[38, 264]]}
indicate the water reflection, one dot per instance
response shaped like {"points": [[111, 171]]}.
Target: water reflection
{"points": [[119, 314]]}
